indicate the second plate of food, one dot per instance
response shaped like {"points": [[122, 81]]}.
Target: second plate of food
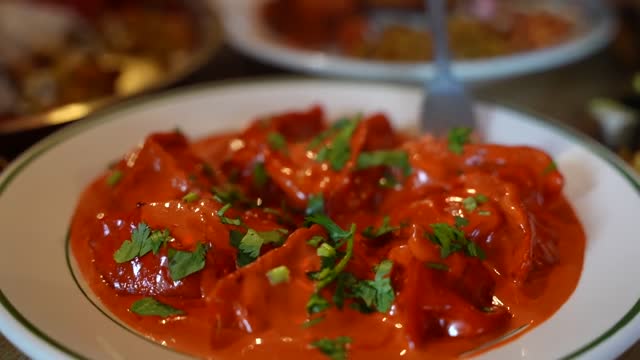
{"points": [[291, 218], [389, 40]]}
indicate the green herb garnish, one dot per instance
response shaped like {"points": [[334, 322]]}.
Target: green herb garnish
{"points": [[185, 263], [142, 241], [385, 228], [377, 293], [114, 178], [315, 205], [472, 202], [317, 304], [278, 275], [391, 158], [277, 142], [437, 266], [550, 168], [311, 322], [336, 233], [250, 244], [338, 152], [452, 239], [226, 220], [260, 176], [151, 307], [458, 137], [191, 197], [335, 349]]}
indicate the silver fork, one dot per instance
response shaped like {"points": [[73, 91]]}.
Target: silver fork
{"points": [[446, 104]]}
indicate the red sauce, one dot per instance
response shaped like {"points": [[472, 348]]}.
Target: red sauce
{"points": [[533, 242]]}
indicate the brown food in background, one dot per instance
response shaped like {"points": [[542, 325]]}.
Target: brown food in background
{"points": [[344, 25]]}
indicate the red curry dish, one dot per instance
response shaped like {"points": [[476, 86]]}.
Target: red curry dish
{"points": [[297, 238]]}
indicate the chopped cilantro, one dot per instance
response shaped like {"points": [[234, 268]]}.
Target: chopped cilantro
{"points": [[317, 304], [392, 158], [312, 322], [484, 212], [249, 244], [191, 197], [207, 170], [315, 205], [114, 178], [143, 240], [277, 142], [336, 233], [437, 266], [315, 240], [326, 250], [460, 222], [151, 307], [377, 293], [471, 203], [335, 349], [226, 220], [338, 152], [260, 176], [228, 194], [185, 263], [278, 275], [385, 228], [458, 137], [550, 168], [452, 239]]}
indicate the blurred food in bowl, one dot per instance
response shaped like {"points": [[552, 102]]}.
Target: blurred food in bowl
{"points": [[58, 52], [390, 30]]}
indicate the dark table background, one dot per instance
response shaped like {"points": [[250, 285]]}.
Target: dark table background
{"points": [[561, 94]]}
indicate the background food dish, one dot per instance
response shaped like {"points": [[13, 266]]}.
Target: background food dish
{"points": [[600, 188], [71, 57], [244, 26]]}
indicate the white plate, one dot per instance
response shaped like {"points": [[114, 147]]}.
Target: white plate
{"points": [[46, 315], [246, 32]]}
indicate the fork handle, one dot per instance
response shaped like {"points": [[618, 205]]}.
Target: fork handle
{"points": [[438, 21]]}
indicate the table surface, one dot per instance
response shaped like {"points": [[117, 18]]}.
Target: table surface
{"points": [[571, 88]]}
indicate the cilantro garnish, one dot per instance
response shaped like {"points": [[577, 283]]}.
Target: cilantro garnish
{"points": [[385, 228], [315, 205], [320, 138], [338, 152], [392, 158], [317, 304], [484, 212], [114, 178], [249, 244], [315, 240], [278, 275], [452, 239], [311, 322], [336, 233], [207, 170], [437, 266], [142, 241], [228, 194], [460, 222], [185, 263], [377, 293], [191, 197], [550, 168], [151, 307], [335, 349], [226, 220], [472, 202], [260, 176], [458, 137], [277, 141]]}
